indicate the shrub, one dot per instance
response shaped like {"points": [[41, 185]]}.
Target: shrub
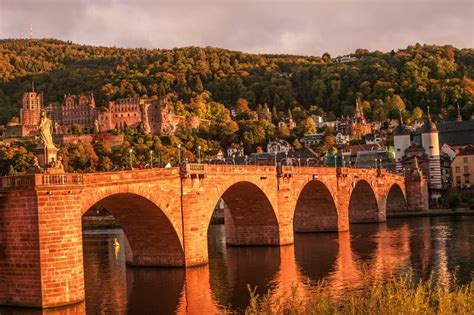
{"points": [[454, 201], [471, 204], [402, 295]]}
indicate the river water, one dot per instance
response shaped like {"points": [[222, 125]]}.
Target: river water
{"points": [[441, 246]]}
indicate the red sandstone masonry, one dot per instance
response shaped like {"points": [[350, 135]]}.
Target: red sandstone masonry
{"points": [[166, 215]]}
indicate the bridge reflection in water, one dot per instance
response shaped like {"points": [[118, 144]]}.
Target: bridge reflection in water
{"points": [[343, 260]]}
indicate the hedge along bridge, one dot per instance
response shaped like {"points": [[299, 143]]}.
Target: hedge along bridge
{"points": [[165, 215]]}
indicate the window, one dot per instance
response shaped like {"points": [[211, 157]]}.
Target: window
{"points": [[458, 180], [465, 160], [466, 169], [431, 147], [398, 150], [458, 169]]}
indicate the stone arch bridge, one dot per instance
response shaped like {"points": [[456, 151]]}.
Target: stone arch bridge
{"points": [[165, 214]]}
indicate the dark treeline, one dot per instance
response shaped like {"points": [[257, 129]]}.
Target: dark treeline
{"points": [[419, 76]]}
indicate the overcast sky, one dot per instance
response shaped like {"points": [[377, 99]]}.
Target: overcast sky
{"points": [[309, 27]]}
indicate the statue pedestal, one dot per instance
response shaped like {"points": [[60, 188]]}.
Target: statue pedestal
{"points": [[46, 155]]}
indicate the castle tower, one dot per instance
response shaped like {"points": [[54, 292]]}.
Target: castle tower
{"points": [[32, 103], [401, 139], [430, 142]]}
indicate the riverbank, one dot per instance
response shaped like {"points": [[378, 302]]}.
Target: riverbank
{"points": [[397, 296], [432, 213]]}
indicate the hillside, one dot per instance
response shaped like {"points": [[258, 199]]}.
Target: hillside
{"points": [[435, 76]]}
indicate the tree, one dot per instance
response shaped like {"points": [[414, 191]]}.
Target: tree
{"points": [[380, 114], [417, 114], [242, 106], [309, 126], [297, 145], [198, 84], [283, 132]]}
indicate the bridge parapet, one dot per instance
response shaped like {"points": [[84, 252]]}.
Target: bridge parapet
{"points": [[129, 175], [35, 180], [192, 168]]}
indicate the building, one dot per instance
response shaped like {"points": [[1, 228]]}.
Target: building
{"points": [[342, 139], [278, 146], [312, 140], [402, 140], [32, 105], [78, 114], [235, 149], [78, 110], [288, 122], [462, 168], [456, 134], [359, 126]]}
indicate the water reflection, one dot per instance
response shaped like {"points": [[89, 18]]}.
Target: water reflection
{"points": [[344, 261]]}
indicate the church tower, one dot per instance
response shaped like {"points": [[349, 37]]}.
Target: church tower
{"points": [[430, 142], [401, 139]]}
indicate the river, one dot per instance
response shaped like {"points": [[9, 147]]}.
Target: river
{"points": [[441, 246]]}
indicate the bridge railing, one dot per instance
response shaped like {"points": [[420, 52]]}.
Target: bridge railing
{"points": [[192, 168], [34, 180]]}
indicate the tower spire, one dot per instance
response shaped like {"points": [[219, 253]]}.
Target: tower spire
{"points": [[459, 118], [401, 117], [32, 85], [428, 115]]}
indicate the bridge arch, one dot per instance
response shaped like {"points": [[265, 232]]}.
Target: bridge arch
{"points": [[396, 201], [249, 216], [363, 205], [315, 209], [152, 240]]}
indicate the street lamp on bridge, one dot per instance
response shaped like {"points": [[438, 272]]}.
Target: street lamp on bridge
{"points": [[151, 158], [199, 154], [131, 161], [179, 154]]}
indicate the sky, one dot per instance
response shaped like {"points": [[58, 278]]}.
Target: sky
{"points": [[303, 27]]}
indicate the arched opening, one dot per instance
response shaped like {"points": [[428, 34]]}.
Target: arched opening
{"points": [[129, 229], [396, 200], [249, 217], [315, 210], [363, 204], [150, 238], [243, 216]]}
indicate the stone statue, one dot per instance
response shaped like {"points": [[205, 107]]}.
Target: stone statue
{"points": [[96, 126], [35, 167], [58, 165], [46, 130]]}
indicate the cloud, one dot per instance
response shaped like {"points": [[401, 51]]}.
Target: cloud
{"points": [[259, 26]]}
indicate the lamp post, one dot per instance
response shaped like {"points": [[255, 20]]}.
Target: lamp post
{"points": [[131, 162], [276, 158], [246, 161], [375, 162], [151, 158], [179, 154], [199, 154], [286, 157]]}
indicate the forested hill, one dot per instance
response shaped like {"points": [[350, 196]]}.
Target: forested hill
{"points": [[422, 75]]}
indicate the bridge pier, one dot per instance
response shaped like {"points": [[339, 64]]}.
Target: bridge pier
{"points": [[41, 262]]}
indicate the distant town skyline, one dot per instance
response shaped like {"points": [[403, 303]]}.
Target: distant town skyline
{"points": [[262, 26]]}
